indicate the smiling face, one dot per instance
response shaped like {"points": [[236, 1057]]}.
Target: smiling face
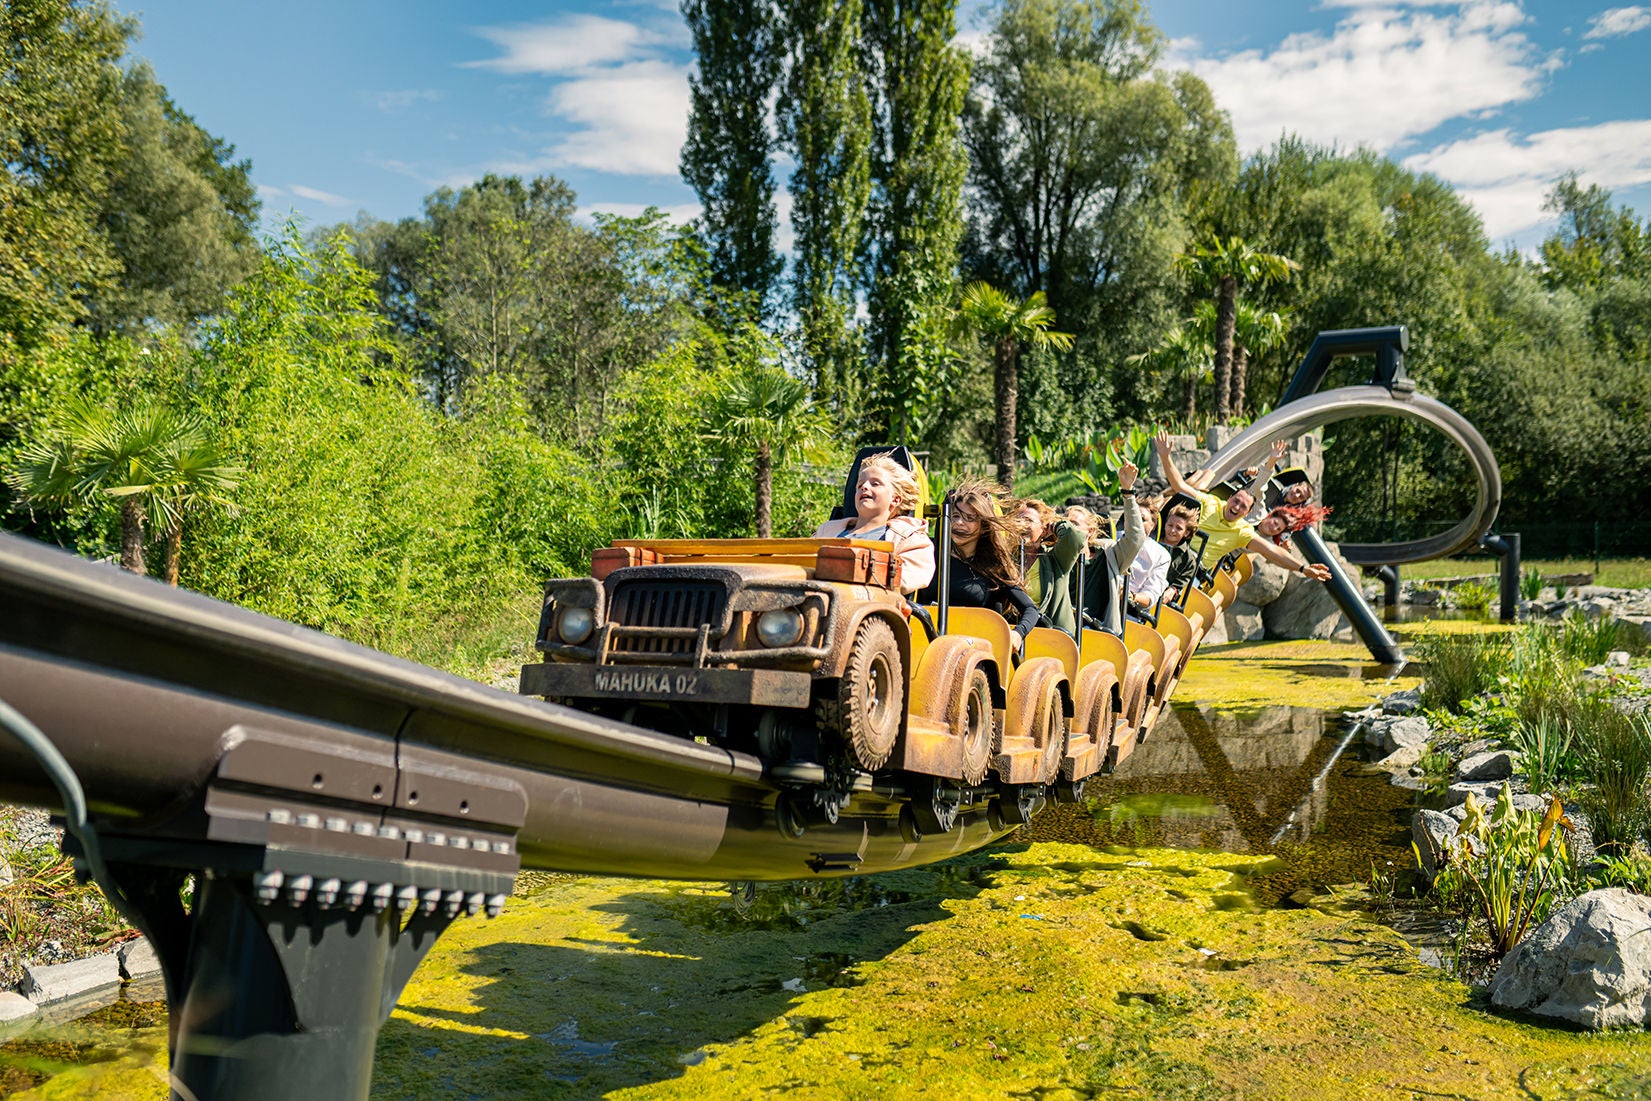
{"points": [[1177, 527], [1238, 505], [875, 498], [1272, 525], [1298, 493]]}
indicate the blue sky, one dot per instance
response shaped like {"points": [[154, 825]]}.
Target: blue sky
{"points": [[344, 107]]}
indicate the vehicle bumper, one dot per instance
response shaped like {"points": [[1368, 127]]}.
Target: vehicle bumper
{"points": [[668, 683]]}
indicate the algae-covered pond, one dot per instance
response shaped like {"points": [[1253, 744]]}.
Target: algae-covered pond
{"points": [[1182, 933]]}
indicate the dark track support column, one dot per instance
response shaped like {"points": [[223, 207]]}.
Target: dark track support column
{"points": [[1350, 599], [1506, 547]]}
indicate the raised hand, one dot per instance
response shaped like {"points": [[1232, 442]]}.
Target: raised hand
{"points": [[1279, 448], [1126, 476], [1316, 571], [1161, 442]]}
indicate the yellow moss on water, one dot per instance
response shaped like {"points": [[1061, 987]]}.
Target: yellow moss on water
{"points": [[1307, 673], [1051, 970]]}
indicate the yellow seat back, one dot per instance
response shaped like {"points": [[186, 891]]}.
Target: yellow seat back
{"points": [[1103, 646], [1243, 568], [985, 624], [1046, 642], [1138, 636], [1199, 603], [1172, 624], [1222, 586]]}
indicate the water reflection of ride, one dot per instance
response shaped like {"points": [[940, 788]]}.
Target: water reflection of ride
{"points": [[805, 653]]}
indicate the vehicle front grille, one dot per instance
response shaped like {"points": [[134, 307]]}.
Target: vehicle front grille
{"points": [[643, 604]]}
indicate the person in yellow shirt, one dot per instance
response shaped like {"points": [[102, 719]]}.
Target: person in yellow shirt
{"points": [[1225, 523]]}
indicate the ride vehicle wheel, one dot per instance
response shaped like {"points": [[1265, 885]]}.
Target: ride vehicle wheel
{"points": [[1052, 725], [979, 727], [871, 697]]}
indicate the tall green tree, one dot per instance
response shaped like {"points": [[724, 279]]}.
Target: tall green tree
{"points": [[179, 216], [1006, 323], [61, 139], [1227, 267], [1087, 166], [728, 156], [825, 123], [1256, 333], [1183, 357], [917, 80]]}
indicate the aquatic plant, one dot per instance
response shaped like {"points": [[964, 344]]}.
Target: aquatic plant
{"points": [[1530, 584], [1545, 751], [1460, 666], [1471, 596], [1631, 872], [1616, 751], [1507, 869]]}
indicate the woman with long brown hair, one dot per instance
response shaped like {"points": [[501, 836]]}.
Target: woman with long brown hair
{"points": [[985, 551]]}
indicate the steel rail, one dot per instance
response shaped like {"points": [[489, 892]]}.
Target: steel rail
{"points": [[141, 687]]}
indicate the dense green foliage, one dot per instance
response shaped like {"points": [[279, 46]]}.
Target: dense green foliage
{"points": [[434, 413]]}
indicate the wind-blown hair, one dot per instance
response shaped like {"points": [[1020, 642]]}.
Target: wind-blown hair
{"points": [[997, 551]]}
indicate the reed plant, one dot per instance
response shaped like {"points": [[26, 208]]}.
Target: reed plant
{"points": [[1616, 751], [1460, 667], [1542, 680], [1530, 584], [1545, 752], [1590, 639]]}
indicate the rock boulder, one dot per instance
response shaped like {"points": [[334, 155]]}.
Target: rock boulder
{"points": [[1433, 833], [1494, 765], [1244, 622], [1265, 584], [1589, 963]]}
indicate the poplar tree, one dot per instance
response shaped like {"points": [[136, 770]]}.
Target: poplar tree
{"points": [[825, 122], [728, 153], [919, 81]]}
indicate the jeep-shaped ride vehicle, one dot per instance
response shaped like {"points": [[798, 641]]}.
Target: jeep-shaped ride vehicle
{"points": [[805, 652]]}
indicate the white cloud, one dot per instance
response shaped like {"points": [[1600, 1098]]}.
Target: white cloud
{"points": [[572, 44], [403, 99], [614, 83], [1618, 21], [633, 118], [316, 195], [676, 213], [1383, 75], [1506, 175]]}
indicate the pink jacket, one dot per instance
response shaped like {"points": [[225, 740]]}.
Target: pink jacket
{"points": [[910, 537]]}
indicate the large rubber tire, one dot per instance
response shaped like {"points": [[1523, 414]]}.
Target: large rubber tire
{"points": [[979, 727], [871, 697], [1053, 723]]}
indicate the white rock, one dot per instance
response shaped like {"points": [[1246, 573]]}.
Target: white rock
{"points": [[1265, 583], [1484, 792], [1589, 963], [1243, 622], [15, 1009], [57, 982], [1433, 833], [1494, 765], [1411, 731], [1618, 658], [1400, 759], [138, 959]]}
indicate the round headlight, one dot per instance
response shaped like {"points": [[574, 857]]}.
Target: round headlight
{"points": [[780, 627], [574, 625]]}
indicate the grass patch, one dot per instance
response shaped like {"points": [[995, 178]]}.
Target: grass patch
{"points": [[1616, 751], [1618, 573]]}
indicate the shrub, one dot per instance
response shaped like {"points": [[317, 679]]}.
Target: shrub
{"points": [[1545, 751], [1470, 596], [1616, 751], [1589, 639], [1530, 584], [1460, 667]]}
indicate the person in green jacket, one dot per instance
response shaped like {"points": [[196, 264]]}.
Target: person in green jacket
{"points": [[1052, 545]]}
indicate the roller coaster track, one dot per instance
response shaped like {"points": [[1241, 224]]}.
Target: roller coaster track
{"points": [[1349, 402]]}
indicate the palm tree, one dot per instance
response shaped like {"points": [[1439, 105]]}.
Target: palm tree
{"points": [[1184, 354], [1007, 324], [157, 463], [1226, 267], [769, 411], [1255, 333]]}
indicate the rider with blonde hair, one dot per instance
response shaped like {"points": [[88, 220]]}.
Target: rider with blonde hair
{"points": [[885, 498]]}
